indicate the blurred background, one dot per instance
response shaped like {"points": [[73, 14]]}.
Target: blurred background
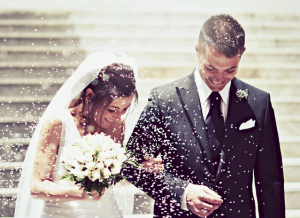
{"points": [[42, 43]]}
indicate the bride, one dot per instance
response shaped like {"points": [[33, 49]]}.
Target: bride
{"points": [[93, 99]]}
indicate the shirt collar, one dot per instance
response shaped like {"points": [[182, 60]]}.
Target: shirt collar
{"points": [[204, 91]]}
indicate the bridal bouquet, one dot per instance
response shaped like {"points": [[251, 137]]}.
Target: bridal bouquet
{"points": [[95, 162]]}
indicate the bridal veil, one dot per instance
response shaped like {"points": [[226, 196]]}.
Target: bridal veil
{"points": [[26, 206]]}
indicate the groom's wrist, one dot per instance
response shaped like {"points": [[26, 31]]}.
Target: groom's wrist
{"points": [[183, 204]]}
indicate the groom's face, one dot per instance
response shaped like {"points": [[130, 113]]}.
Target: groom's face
{"points": [[215, 69]]}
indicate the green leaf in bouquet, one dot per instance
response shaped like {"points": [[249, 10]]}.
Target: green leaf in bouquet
{"points": [[80, 179], [72, 177], [99, 188], [65, 177]]}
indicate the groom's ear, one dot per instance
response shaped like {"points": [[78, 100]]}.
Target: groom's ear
{"points": [[196, 47], [89, 94]]}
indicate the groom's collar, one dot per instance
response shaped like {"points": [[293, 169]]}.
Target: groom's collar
{"points": [[204, 91]]}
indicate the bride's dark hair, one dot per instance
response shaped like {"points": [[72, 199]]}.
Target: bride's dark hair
{"points": [[115, 80]]}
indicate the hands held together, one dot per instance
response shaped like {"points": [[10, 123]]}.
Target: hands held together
{"points": [[202, 201]]}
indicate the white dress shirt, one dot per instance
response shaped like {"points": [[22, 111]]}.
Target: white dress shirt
{"points": [[204, 92]]}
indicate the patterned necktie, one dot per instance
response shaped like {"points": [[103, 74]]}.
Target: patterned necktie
{"points": [[215, 127]]}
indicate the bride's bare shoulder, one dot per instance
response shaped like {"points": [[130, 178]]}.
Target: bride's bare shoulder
{"points": [[52, 125]]}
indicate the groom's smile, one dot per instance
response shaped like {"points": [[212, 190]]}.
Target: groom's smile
{"points": [[216, 69]]}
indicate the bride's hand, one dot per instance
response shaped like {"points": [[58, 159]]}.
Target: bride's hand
{"points": [[152, 165], [92, 196]]}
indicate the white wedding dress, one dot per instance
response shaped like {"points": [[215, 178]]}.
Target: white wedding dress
{"points": [[105, 207]]}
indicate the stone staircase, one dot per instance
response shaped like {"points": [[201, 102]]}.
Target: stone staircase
{"points": [[39, 51]]}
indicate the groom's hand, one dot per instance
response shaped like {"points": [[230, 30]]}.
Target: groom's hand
{"points": [[202, 201]]}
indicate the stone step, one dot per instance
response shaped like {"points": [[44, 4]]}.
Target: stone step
{"points": [[151, 10], [139, 35], [30, 87], [115, 41], [293, 213], [291, 169], [277, 87], [285, 105], [292, 195], [185, 55], [155, 19], [39, 41], [290, 146], [180, 50], [156, 24], [27, 106], [38, 15], [37, 72], [37, 55], [13, 150], [32, 90], [152, 13], [288, 125]]}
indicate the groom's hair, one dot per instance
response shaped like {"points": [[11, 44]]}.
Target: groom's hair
{"points": [[224, 34]]}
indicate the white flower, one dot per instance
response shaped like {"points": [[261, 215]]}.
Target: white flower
{"points": [[88, 156], [104, 146], [108, 162], [75, 164], [95, 175], [90, 165], [111, 154], [72, 155], [117, 163], [117, 166], [78, 173], [85, 146], [94, 148], [102, 156], [240, 93], [115, 170], [100, 166], [106, 173], [87, 173], [121, 157], [78, 155]]}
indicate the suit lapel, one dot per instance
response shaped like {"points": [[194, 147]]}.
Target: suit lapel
{"points": [[192, 103], [238, 112]]}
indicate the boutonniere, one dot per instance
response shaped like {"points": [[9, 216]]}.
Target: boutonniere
{"points": [[240, 93]]}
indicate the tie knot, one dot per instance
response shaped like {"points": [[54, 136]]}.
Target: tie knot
{"points": [[215, 99]]}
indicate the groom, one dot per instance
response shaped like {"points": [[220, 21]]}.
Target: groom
{"points": [[212, 131]]}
